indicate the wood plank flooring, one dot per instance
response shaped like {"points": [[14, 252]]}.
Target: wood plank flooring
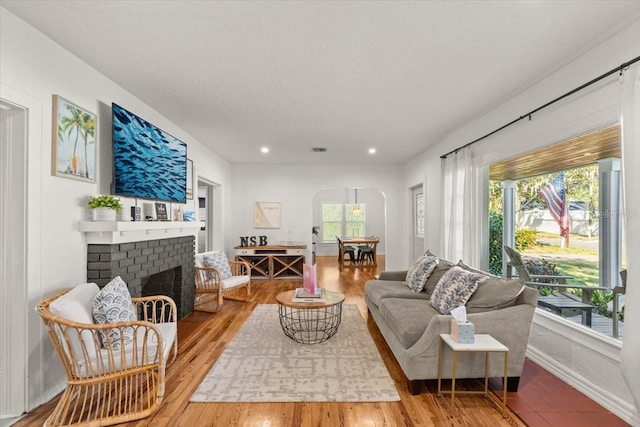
{"points": [[203, 336]]}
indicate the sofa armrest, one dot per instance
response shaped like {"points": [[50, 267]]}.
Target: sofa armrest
{"points": [[393, 275], [510, 326]]}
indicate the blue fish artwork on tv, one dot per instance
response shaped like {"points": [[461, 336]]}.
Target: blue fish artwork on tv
{"points": [[148, 163]]}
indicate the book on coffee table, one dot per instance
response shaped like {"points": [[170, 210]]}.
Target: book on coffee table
{"points": [[303, 295]]}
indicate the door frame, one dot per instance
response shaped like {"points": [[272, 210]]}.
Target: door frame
{"points": [[414, 191], [26, 206]]}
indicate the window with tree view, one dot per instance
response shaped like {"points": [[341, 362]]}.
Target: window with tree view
{"points": [[343, 220], [568, 244]]}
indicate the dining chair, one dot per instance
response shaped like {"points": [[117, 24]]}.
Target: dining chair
{"points": [[345, 249], [366, 251]]}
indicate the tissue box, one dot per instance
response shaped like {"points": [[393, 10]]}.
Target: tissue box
{"points": [[462, 332]]}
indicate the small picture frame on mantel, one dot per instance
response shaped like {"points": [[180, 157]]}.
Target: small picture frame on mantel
{"points": [[161, 212]]}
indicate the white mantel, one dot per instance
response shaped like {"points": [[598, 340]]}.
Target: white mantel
{"points": [[110, 232]]}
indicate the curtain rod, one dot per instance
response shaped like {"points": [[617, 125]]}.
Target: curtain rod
{"points": [[619, 68]]}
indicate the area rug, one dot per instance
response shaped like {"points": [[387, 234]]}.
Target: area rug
{"points": [[261, 364]]}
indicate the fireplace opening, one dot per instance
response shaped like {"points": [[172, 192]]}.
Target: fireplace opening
{"points": [[167, 282], [162, 283]]}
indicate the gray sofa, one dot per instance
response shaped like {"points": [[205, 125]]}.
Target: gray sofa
{"points": [[412, 327]]}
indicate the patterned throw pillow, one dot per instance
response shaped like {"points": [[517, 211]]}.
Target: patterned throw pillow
{"points": [[113, 304], [454, 289], [420, 271], [219, 261]]}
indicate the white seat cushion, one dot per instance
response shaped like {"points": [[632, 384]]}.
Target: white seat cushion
{"points": [[234, 281], [199, 260], [77, 305]]}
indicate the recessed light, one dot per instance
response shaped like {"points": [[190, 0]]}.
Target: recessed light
{"points": [[372, 151], [264, 150]]}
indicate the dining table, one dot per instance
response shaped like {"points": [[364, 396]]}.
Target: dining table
{"points": [[358, 241]]}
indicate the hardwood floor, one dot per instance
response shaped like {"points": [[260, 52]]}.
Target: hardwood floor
{"points": [[203, 336]]}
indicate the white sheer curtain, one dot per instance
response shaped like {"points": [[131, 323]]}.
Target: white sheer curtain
{"points": [[461, 208], [630, 125]]}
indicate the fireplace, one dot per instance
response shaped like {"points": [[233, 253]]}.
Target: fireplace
{"points": [[164, 283], [149, 267]]}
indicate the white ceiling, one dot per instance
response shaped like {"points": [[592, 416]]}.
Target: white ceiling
{"points": [[397, 76]]}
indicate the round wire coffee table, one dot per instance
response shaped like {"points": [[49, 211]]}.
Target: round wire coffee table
{"points": [[310, 322]]}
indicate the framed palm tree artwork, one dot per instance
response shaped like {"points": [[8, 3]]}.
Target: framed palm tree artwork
{"points": [[74, 141]]}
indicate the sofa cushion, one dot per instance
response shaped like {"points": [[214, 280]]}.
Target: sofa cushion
{"points": [[407, 318], [442, 267], [111, 305], [454, 289], [420, 271], [376, 290], [494, 293], [219, 261], [77, 305]]}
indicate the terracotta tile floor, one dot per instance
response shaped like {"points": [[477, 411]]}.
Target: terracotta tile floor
{"points": [[543, 400]]}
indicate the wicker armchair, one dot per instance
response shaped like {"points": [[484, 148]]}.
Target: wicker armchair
{"points": [[111, 381], [212, 288]]}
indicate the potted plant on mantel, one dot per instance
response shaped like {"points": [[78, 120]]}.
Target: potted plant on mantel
{"points": [[104, 207]]}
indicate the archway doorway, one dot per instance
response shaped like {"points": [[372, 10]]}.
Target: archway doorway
{"points": [[369, 203]]}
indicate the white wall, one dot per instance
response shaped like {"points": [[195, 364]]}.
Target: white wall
{"points": [[294, 186], [33, 67], [590, 363]]}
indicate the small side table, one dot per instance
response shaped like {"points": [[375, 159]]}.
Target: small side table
{"points": [[483, 343]]}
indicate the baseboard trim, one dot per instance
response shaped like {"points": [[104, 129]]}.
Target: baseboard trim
{"points": [[596, 393]]}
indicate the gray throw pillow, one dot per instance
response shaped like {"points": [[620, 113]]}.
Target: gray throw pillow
{"points": [[475, 270], [493, 294], [113, 304], [454, 289], [436, 275]]}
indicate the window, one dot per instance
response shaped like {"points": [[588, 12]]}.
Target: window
{"points": [[343, 219], [419, 215], [590, 166]]}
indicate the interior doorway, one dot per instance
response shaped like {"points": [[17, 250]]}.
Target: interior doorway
{"points": [[372, 205], [206, 204], [13, 238]]}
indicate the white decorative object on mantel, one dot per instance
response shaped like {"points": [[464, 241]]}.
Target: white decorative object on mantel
{"points": [[103, 214], [106, 232]]}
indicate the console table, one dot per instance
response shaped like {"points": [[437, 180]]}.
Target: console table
{"points": [[273, 261]]}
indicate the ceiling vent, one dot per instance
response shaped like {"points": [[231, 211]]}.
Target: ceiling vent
{"points": [[319, 149]]}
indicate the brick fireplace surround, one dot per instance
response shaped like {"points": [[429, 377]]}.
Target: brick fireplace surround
{"points": [[136, 261]]}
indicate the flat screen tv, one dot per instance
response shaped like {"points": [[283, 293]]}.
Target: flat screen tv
{"points": [[148, 163]]}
